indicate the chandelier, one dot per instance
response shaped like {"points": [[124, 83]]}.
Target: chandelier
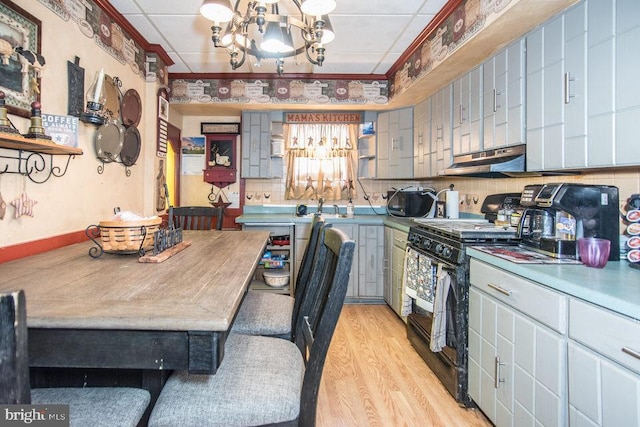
{"points": [[270, 34]]}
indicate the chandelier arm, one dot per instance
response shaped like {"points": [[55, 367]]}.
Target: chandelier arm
{"points": [[309, 58]]}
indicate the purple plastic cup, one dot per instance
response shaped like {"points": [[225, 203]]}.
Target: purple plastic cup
{"points": [[594, 252]]}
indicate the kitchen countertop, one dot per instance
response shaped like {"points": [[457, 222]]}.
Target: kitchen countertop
{"points": [[615, 287]]}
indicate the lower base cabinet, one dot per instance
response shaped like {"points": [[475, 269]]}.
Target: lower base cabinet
{"points": [[604, 367], [395, 243], [517, 365], [367, 278]]}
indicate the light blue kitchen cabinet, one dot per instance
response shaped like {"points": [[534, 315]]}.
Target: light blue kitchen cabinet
{"points": [[467, 133], [441, 117], [604, 367], [556, 93], [503, 97], [352, 231], [395, 143], [627, 89], [370, 262], [517, 348], [256, 145], [422, 139], [395, 243]]}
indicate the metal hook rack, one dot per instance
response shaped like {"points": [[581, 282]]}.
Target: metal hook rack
{"points": [[34, 159]]}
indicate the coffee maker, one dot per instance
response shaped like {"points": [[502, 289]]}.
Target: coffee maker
{"points": [[556, 215]]}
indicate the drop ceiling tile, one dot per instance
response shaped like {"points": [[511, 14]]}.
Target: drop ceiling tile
{"points": [[432, 7], [125, 6]]}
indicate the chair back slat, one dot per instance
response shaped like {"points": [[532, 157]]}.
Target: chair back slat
{"points": [[198, 217], [320, 311], [14, 357], [304, 274]]}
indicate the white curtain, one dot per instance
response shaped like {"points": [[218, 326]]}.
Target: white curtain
{"points": [[321, 161]]}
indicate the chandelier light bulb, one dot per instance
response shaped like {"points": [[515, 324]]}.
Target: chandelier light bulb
{"points": [[217, 10], [318, 7]]}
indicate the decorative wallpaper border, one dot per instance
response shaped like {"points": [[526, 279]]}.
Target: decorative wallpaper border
{"points": [[279, 91], [465, 22], [95, 23]]}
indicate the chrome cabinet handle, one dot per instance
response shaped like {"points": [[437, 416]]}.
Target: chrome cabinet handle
{"points": [[495, 100], [496, 365], [393, 144], [567, 87], [499, 289], [631, 352], [439, 132], [461, 114]]}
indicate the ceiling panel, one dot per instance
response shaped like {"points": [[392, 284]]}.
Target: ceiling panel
{"points": [[370, 35]]}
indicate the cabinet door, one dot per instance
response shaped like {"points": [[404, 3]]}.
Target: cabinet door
{"points": [[405, 143], [441, 130], [383, 145], [352, 231], [626, 88], [601, 392], [517, 367], [422, 139], [256, 140], [556, 116], [388, 266], [467, 112], [503, 98], [600, 84], [370, 266]]}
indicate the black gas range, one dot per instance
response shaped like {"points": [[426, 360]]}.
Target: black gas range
{"points": [[437, 327], [447, 238]]}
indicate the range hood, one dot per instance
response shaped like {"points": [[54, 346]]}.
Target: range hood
{"points": [[499, 162]]}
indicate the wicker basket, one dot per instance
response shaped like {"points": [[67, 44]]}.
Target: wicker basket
{"points": [[126, 236]]}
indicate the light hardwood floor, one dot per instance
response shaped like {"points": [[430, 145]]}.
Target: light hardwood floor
{"points": [[373, 377]]}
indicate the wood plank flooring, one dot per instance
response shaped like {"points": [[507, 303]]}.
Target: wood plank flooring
{"points": [[374, 377]]}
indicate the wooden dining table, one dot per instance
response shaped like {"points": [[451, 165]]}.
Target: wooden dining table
{"points": [[114, 312]]}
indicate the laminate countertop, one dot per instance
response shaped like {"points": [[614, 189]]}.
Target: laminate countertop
{"points": [[615, 287]]}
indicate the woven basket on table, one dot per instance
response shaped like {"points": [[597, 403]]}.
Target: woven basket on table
{"points": [[126, 236]]}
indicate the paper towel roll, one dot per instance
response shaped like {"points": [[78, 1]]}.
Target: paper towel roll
{"points": [[452, 204]]}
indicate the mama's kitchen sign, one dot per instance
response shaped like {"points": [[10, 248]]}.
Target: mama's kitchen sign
{"points": [[355, 117]]}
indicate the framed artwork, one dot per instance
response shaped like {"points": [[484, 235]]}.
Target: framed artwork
{"points": [[18, 80], [213, 128], [441, 210], [163, 108]]}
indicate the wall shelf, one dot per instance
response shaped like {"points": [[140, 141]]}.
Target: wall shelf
{"points": [[34, 157]]}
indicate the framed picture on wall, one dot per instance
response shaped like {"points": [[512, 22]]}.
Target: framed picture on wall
{"points": [[19, 78], [163, 108]]}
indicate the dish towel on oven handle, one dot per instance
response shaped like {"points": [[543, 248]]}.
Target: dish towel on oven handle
{"points": [[439, 324], [406, 299]]}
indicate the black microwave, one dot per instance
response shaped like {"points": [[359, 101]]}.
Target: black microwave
{"points": [[410, 203]]}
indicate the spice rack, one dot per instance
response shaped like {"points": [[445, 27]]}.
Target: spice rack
{"points": [[34, 157]]}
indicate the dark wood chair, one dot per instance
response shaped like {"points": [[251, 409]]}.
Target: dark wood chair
{"points": [[198, 217], [270, 314], [267, 380], [107, 406]]}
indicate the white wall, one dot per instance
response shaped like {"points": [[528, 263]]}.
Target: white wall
{"points": [[82, 196]]}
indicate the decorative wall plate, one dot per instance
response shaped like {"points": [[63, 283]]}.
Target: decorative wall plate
{"points": [[131, 108], [109, 140], [130, 146]]}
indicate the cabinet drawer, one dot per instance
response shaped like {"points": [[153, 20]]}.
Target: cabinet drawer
{"points": [[544, 305], [400, 238], [606, 332]]}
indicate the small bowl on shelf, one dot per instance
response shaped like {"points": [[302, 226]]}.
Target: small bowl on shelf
{"points": [[276, 279]]}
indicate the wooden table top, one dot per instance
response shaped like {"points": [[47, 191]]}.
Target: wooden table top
{"points": [[199, 288]]}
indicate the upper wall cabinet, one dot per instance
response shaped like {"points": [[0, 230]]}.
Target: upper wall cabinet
{"points": [[441, 118], [503, 97], [256, 145], [395, 143], [582, 100], [422, 139], [467, 112], [556, 93]]}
